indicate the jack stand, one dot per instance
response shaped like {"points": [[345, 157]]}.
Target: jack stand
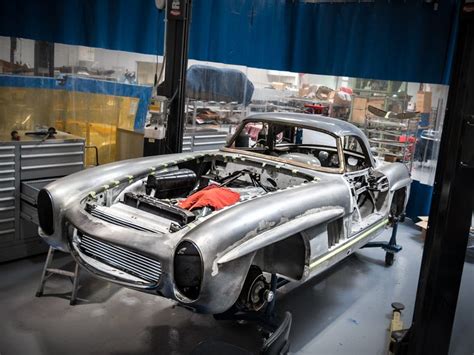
{"points": [[275, 332], [391, 247], [48, 272], [397, 333]]}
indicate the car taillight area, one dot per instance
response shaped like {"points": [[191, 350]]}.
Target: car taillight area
{"points": [[45, 212], [188, 270]]}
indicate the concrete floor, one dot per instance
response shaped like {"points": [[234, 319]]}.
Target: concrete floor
{"points": [[345, 312]]}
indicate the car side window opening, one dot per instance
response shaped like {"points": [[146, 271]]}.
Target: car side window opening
{"points": [[356, 158]]}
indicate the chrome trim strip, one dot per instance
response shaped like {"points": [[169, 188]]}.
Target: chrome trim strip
{"points": [[350, 243]]}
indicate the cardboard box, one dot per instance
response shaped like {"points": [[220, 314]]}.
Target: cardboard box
{"points": [[360, 103], [378, 102], [358, 116], [423, 224], [390, 158], [278, 86], [423, 101], [304, 90]]}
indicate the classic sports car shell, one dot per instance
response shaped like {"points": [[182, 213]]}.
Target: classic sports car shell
{"points": [[303, 207]]}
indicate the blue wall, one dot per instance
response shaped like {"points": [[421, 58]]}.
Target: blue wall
{"points": [[396, 40]]}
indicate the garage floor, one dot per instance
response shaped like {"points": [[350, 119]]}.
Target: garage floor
{"points": [[345, 312]]}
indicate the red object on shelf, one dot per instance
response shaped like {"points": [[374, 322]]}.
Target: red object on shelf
{"points": [[403, 139], [315, 108]]}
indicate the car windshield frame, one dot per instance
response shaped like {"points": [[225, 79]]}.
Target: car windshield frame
{"points": [[339, 146]]}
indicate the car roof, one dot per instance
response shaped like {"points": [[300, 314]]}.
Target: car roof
{"points": [[332, 125]]}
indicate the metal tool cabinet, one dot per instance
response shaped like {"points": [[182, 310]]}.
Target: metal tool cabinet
{"points": [[198, 141], [25, 167]]}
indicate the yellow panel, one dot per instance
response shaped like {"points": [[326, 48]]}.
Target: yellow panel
{"points": [[92, 116]]}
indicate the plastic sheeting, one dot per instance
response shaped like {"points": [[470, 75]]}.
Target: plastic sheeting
{"points": [[71, 83], [87, 108], [389, 40], [218, 84]]}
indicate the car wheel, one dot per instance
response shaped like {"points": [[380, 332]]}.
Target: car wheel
{"points": [[389, 258]]}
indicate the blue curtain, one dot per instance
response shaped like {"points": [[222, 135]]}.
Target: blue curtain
{"points": [[396, 40]]}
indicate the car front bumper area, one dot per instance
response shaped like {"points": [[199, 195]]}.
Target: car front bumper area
{"points": [[128, 257]]}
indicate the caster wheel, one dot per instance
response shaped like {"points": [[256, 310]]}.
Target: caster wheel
{"points": [[389, 258], [72, 303], [39, 294]]}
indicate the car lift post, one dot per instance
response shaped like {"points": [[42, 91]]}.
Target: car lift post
{"points": [[452, 204], [178, 19]]}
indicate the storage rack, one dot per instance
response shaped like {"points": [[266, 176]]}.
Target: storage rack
{"points": [[228, 112], [393, 139]]}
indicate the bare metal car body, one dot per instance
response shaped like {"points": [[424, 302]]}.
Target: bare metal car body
{"points": [[309, 220]]}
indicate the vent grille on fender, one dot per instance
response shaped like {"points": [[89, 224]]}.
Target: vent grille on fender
{"points": [[121, 258]]}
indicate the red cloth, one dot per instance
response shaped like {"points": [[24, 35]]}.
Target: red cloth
{"points": [[346, 90], [212, 196]]}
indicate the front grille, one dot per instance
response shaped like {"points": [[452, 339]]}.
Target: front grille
{"points": [[121, 258]]}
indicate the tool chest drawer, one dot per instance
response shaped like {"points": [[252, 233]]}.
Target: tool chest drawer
{"points": [[45, 160]]}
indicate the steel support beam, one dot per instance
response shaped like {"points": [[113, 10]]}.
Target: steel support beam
{"points": [[452, 205]]}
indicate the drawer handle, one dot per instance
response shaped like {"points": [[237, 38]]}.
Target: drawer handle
{"points": [[211, 136], [7, 199], [7, 231], [210, 143], [27, 156], [7, 189], [36, 167], [6, 220], [51, 145]]}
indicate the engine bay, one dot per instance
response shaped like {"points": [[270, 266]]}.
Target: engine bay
{"points": [[182, 193]]}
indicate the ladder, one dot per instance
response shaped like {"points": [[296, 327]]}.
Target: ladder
{"points": [[48, 271]]}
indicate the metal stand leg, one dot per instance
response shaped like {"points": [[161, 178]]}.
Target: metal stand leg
{"points": [[49, 258], [389, 253], [393, 238], [48, 271], [75, 284], [271, 304]]}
